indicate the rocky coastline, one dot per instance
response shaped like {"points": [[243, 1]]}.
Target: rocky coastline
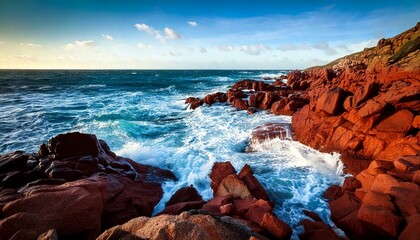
{"points": [[365, 106]]}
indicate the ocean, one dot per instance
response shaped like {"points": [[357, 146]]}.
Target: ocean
{"points": [[141, 114]]}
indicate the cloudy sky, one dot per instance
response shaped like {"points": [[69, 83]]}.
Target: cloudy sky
{"points": [[150, 34]]}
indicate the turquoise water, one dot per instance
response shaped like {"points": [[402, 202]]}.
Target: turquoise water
{"points": [[142, 115]]}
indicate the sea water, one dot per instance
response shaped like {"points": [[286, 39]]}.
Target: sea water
{"points": [[141, 114]]}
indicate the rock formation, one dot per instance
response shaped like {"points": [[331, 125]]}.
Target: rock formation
{"points": [[75, 185]]}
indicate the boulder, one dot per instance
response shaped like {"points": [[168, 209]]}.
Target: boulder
{"points": [[331, 101], [183, 226], [185, 194], [269, 131], [254, 186], [276, 227], [399, 122], [232, 184], [412, 230], [73, 144], [364, 93], [219, 171], [15, 161]]}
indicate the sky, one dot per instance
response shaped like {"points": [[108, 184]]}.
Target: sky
{"points": [[153, 34]]}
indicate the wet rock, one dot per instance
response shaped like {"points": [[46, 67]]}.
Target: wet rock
{"points": [[257, 190], [269, 131], [276, 227], [73, 144], [15, 161], [232, 184], [184, 194], [219, 171]]}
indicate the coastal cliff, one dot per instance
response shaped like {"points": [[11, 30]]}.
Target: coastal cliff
{"points": [[366, 106]]}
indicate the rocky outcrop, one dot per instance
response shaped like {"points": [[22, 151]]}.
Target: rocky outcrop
{"points": [[238, 197], [75, 185], [365, 106], [253, 95]]}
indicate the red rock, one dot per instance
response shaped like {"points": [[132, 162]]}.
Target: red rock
{"points": [[278, 106], [364, 93], [317, 231], [416, 177], [398, 122], [343, 206], [251, 110], [177, 208], [383, 221], [331, 101], [372, 107], [351, 184], [360, 193], [405, 197], [379, 200], [183, 226], [257, 210], [295, 86], [348, 103], [333, 192], [74, 144], [240, 104], [74, 207], [412, 230], [228, 209], [15, 161], [379, 167], [252, 101], [232, 184], [191, 99], [252, 183], [219, 171], [384, 183], [276, 227], [354, 228], [313, 215], [413, 106], [49, 235], [269, 131], [185, 194], [408, 164], [366, 179], [269, 98], [416, 122]]}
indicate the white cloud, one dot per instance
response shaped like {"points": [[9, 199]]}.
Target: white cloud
{"points": [[107, 37], [193, 24], [225, 48], [203, 50], [81, 44], [169, 33], [23, 57], [254, 49], [143, 46], [293, 47], [2, 43], [325, 47], [30, 45]]}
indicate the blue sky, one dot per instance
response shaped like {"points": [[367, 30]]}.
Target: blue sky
{"points": [[193, 34]]}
